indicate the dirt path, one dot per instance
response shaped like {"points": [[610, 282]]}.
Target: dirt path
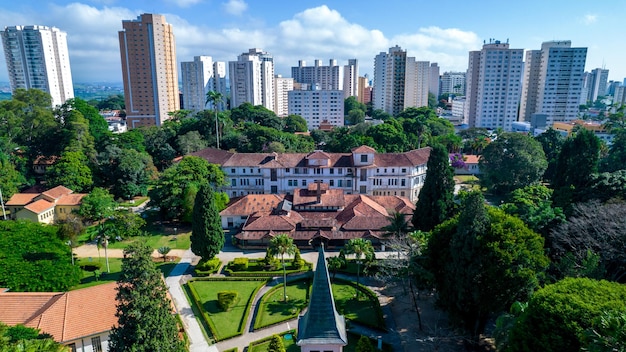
{"points": [[91, 250]]}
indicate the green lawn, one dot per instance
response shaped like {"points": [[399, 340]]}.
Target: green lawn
{"points": [[180, 241], [263, 344], [135, 202], [361, 310], [274, 310], [228, 323], [115, 264]]}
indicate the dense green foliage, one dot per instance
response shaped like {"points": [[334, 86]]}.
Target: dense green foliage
{"points": [[97, 205], [436, 198], [34, 258], [207, 236], [227, 299], [20, 338], [145, 320], [533, 204], [512, 161], [551, 142], [558, 314], [483, 260]]}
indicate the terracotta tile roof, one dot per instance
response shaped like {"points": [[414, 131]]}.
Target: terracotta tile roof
{"points": [[363, 149], [277, 223], [57, 192], [71, 199], [45, 160], [328, 197], [39, 206], [213, 156], [395, 204], [410, 158], [471, 159], [318, 154], [66, 316], [21, 198], [252, 203]]}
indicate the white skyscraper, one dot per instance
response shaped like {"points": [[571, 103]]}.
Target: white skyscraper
{"points": [[493, 86], [433, 85], [317, 106], [453, 83], [417, 83], [37, 57], [351, 79], [553, 82], [199, 77], [252, 79], [282, 86], [598, 84], [389, 80]]}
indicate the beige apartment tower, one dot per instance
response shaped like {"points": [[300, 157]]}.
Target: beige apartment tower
{"points": [[150, 75]]}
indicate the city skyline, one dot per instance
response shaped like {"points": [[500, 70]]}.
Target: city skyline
{"points": [[442, 32]]}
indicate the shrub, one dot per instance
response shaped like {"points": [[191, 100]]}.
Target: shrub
{"points": [[239, 264], [297, 263], [91, 267], [227, 299], [364, 345]]}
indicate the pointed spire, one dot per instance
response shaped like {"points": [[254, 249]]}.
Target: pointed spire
{"points": [[321, 324]]}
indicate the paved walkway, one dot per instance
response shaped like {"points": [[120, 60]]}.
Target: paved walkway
{"points": [[192, 327], [91, 250]]}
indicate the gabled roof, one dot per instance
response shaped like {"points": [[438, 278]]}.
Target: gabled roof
{"points": [[321, 324], [364, 149], [57, 192], [318, 154], [253, 203], [471, 159], [22, 198], [39, 206], [66, 316], [71, 199]]}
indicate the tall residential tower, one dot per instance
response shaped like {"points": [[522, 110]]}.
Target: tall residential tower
{"points": [[493, 86], [37, 57], [148, 54], [252, 79], [199, 77], [553, 82]]}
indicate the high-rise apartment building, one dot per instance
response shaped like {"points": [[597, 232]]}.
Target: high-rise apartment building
{"points": [[252, 79], [453, 83], [324, 77], [282, 86], [148, 53], [553, 82], [199, 77], [365, 90], [417, 83], [317, 106], [37, 57], [351, 79], [598, 84], [433, 84], [389, 80], [493, 86]]}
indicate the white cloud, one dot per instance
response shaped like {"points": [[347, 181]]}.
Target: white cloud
{"points": [[184, 3], [589, 19], [235, 7]]}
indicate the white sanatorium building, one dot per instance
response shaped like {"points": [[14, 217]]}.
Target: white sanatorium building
{"points": [[363, 171], [37, 57]]}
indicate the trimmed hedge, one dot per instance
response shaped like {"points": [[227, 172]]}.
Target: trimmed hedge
{"points": [[227, 299], [255, 268], [206, 268], [380, 325], [266, 339], [205, 315], [239, 264]]}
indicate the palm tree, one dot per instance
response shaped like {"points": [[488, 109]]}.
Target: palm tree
{"points": [[360, 248], [282, 244], [163, 251], [215, 98], [398, 225]]}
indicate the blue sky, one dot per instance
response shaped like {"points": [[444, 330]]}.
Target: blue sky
{"points": [[440, 31]]}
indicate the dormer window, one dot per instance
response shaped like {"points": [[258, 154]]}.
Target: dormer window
{"points": [[363, 158]]}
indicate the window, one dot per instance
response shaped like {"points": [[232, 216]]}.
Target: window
{"points": [[287, 170], [403, 182], [332, 171], [233, 182], [331, 183], [273, 175], [303, 183], [97, 345], [363, 158], [72, 347], [274, 189]]}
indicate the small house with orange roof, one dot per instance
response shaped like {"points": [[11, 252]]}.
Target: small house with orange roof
{"points": [[471, 165], [80, 319], [47, 207]]}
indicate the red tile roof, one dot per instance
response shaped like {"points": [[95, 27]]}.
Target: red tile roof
{"points": [[471, 159], [66, 316], [363, 149], [39, 206], [71, 199], [21, 198], [252, 203], [57, 192]]}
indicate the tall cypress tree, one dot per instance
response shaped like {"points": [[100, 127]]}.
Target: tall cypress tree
{"points": [[436, 199], [144, 313], [207, 236]]}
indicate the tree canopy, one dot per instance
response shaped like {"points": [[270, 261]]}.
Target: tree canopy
{"points": [[207, 236], [35, 259]]}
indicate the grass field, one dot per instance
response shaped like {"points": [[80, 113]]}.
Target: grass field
{"points": [[226, 323], [274, 310], [361, 309], [115, 265], [179, 241]]}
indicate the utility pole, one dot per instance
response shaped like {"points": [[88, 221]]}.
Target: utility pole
{"points": [[4, 213]]}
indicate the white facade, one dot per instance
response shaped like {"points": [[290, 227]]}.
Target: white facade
{"points": [[37, 57], [417, 83], [351, 79], [196, 75], [389, 80], [316, 106], [283, 86], [252, 79], [620, 97], [325, 77], [598, 84], [453, 83], [93, 343], [361, 172], [494, 86], [458, 106], [433, 85]]}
